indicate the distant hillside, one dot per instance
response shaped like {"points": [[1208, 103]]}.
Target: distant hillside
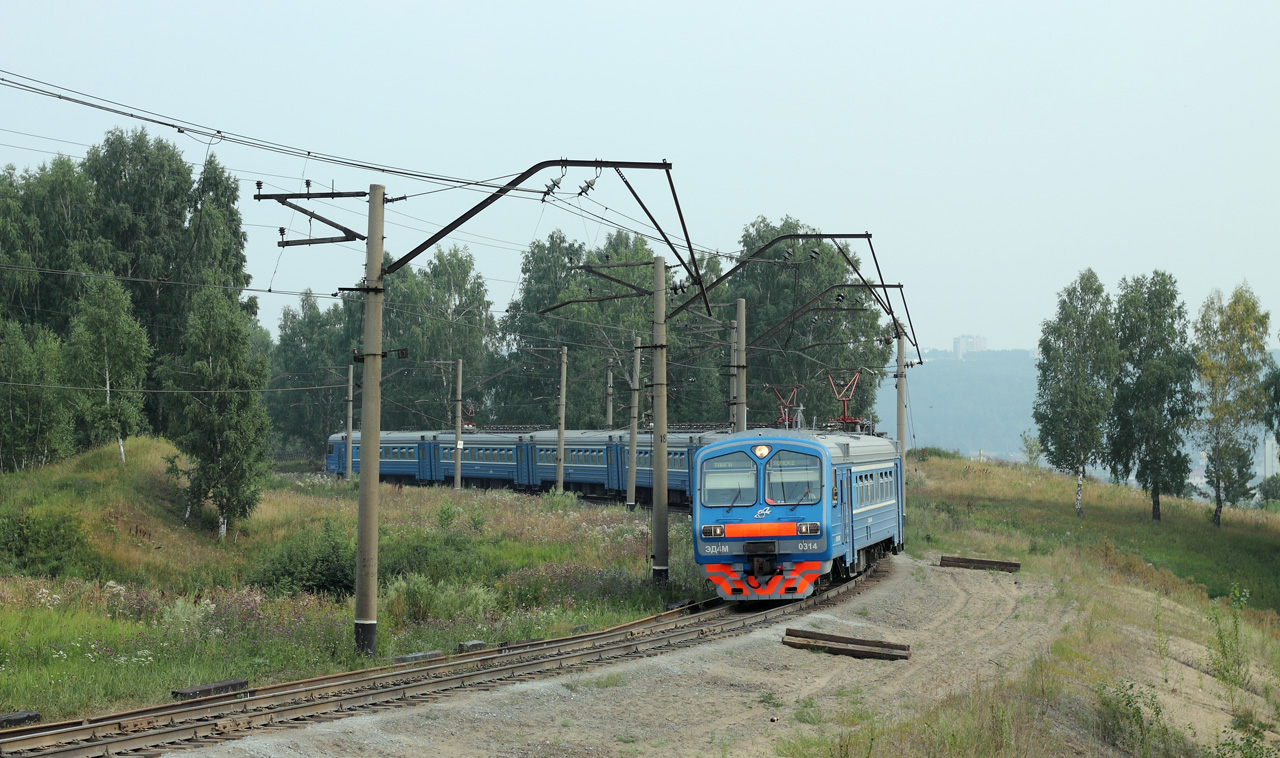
{"points": [[982, 402]]}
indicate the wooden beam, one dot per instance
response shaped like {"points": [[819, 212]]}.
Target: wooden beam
{"points": [[805, 634], [854, 651], [954, 561]]}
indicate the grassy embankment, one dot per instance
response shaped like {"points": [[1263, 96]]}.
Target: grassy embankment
{"points": [[109, 599], [1155, 662]]}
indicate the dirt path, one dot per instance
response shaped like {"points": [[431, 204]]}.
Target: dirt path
{"points": [[733, 697]]}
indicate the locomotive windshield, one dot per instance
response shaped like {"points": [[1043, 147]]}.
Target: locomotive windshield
{"points": [[792, 478], [729, 480]]}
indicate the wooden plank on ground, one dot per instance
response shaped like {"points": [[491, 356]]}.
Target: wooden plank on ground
{"points": [[216, 688], [955, 561], [806, 634], [18, 718], [854, 651]]}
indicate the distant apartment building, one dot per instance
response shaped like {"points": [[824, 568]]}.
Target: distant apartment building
{"points": [[968, 343]]}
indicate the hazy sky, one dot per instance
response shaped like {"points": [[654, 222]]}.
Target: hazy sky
{"points": [[993, 149]]}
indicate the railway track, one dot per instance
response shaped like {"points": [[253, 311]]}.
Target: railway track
{"points": [[218, 718]]}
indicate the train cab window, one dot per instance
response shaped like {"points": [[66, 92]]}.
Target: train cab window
{"points": [[729, 480], [792, 478], [330, 449]]}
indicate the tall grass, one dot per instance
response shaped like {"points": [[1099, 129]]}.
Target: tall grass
{"points": [[160, 604], [1034, 508]]}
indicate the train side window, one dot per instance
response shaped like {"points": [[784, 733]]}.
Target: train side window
{"points": [[355, 453], [330, 449]]}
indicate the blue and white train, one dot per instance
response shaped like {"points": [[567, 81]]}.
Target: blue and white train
{"points": [[595, 461], [775, 510]]}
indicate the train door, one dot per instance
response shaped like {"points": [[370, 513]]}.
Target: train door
{"points": [[900, 492], [846, 511], [837, 512], [611, 468], [527, 464], [425, 459]]}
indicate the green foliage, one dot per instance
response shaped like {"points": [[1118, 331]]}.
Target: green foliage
{"points": [[1031, 448], [35, 419], [1228, 658], [782, 280], [415, 598], [596, 333], [1227, 472], [1154, 389], [43, 543], [223, 424], [1269, 489], [925, 453], [1078, 360], [1231, 357], [107, 351], [807, 712], [322, 563], [1131, 718], [1271, 389], [132, 209], [313, 349], [439, 310]]}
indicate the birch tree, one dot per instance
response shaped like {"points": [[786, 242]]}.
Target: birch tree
{"points": [[107, 349], [1231, 356], [1155, 401], [1078, 360], [222, 423]]}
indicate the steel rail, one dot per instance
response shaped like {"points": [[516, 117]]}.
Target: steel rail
{"points": [[218, 720], [41, 735]]}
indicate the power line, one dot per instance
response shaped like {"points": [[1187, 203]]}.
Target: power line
{"points": [[172, 392], [183, 126]]}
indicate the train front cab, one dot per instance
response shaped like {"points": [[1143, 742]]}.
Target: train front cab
{"points": [[760, 516]]}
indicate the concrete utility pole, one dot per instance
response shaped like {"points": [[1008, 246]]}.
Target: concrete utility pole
{"points": [[741, 416], [351, 386], [901, 376], [608, 394], [660, 550], [635, 424], [564, 368], [457, 432], [370, 434], [733, 376]]}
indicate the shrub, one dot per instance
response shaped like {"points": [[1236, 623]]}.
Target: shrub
{"points": [[321, 564], [415, 598], [44, 543]]}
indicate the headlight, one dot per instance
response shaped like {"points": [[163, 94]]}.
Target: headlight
{"points": [[810, 528], [713, 530]]}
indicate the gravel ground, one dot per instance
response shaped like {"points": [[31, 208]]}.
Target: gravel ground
{"points": [[730, 697]]}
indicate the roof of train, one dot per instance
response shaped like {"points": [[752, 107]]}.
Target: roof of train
{"points": [[541, 436], [843, 447]]}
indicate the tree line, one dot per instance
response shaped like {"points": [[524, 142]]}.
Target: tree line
{"points": [[441, 311], [1128, 383], [122, 278]]}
